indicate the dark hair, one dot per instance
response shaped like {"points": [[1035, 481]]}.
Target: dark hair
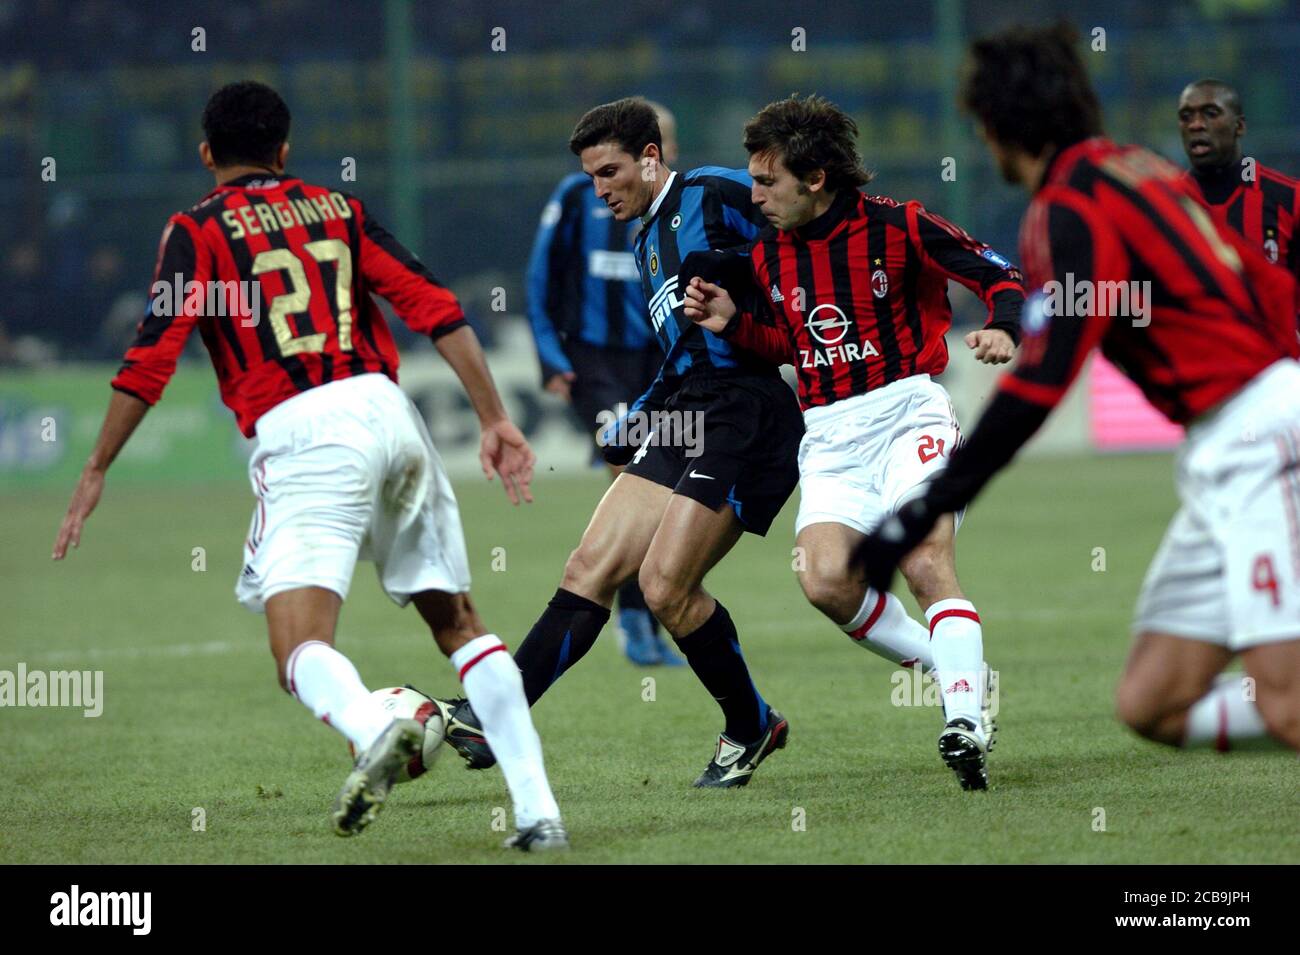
{"points": [[1029, 88], [1231, 98], [807, 135], [245, 123], [631, 122]]}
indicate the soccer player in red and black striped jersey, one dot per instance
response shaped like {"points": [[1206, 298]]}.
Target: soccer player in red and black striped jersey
{"points": [[852, 290], [278, 276], [1211, 343], [1258, 203]]}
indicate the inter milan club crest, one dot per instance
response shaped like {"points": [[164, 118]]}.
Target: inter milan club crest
{"points": [[654, 262], [879, 283]]}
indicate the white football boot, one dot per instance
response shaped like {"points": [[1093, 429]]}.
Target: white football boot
{"points": [[367, 786]]}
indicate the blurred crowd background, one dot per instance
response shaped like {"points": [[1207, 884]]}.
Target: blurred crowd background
{"points": [[457, 145]]}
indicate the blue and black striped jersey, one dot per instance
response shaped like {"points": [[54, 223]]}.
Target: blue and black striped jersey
{"points": [[582, 278], [702, 210]]}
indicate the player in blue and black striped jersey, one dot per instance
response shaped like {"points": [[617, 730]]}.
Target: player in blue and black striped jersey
{"points": [[597, 352], [719, 458]]}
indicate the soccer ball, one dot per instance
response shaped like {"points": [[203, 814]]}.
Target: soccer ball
{"points": [[406, 702]]}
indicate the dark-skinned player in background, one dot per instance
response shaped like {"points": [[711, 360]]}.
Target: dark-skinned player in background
{"points": [[1215, 351], [1260, 204]]}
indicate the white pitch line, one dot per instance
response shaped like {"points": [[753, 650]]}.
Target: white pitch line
{"points": [[210, 648]]}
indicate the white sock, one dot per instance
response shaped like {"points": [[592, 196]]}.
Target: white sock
{"points": [[329, 685], [882, 625], [1225, 719], [496, 692], [957, 643]]}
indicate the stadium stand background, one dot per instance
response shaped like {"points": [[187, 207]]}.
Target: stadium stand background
{"points": [[457, 147]]}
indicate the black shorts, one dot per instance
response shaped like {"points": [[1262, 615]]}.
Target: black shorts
{"points": [[604, 378], [742, 450]]}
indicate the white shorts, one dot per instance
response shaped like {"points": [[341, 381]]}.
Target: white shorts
{"points": [[863, 457], [348, 470], [1228, 569]]}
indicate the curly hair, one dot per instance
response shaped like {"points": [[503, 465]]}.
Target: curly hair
{"points": [[806, 135], [631, 122], [1030, 89], [245, 123]]}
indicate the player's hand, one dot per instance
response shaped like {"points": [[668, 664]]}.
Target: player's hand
{"points": [[561, 384], [708, 305], [84, 499], [992, 346], [504, 451]]}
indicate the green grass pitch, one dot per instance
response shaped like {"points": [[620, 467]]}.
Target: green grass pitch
{"points": [[193, 717]]}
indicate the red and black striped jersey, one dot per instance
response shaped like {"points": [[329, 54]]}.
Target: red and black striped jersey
{"points": [[279, 276], [1264, 210], [1120, 253], [858, 297]]}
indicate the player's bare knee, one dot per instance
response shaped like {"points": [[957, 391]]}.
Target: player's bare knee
{"points": [[576, 569], [1280, 712], [1135, 706], [929, 574], [832, 593], [593, 571], [666, 596]]}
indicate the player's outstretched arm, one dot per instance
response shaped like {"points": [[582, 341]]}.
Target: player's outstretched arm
{"points": [[124, 413], [503, 449]]}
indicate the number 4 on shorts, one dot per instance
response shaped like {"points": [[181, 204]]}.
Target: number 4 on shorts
{"points": [[1263, 578]]}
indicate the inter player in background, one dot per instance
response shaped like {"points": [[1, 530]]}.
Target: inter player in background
{"points": [[593, 337], [343, 461], [671, 515], [1259, 203], [1216, 352], [853, 292]]}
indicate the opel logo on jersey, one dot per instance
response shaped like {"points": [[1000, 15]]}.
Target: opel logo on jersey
{"points": [[831, 327], [654, 262], [879, 283]]}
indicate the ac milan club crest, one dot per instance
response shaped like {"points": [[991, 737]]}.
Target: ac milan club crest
{"points": [[879, 283]]}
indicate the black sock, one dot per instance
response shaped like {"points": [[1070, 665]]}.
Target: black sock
{"points": [[630, 596], [713, 651], [560, 638]]}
